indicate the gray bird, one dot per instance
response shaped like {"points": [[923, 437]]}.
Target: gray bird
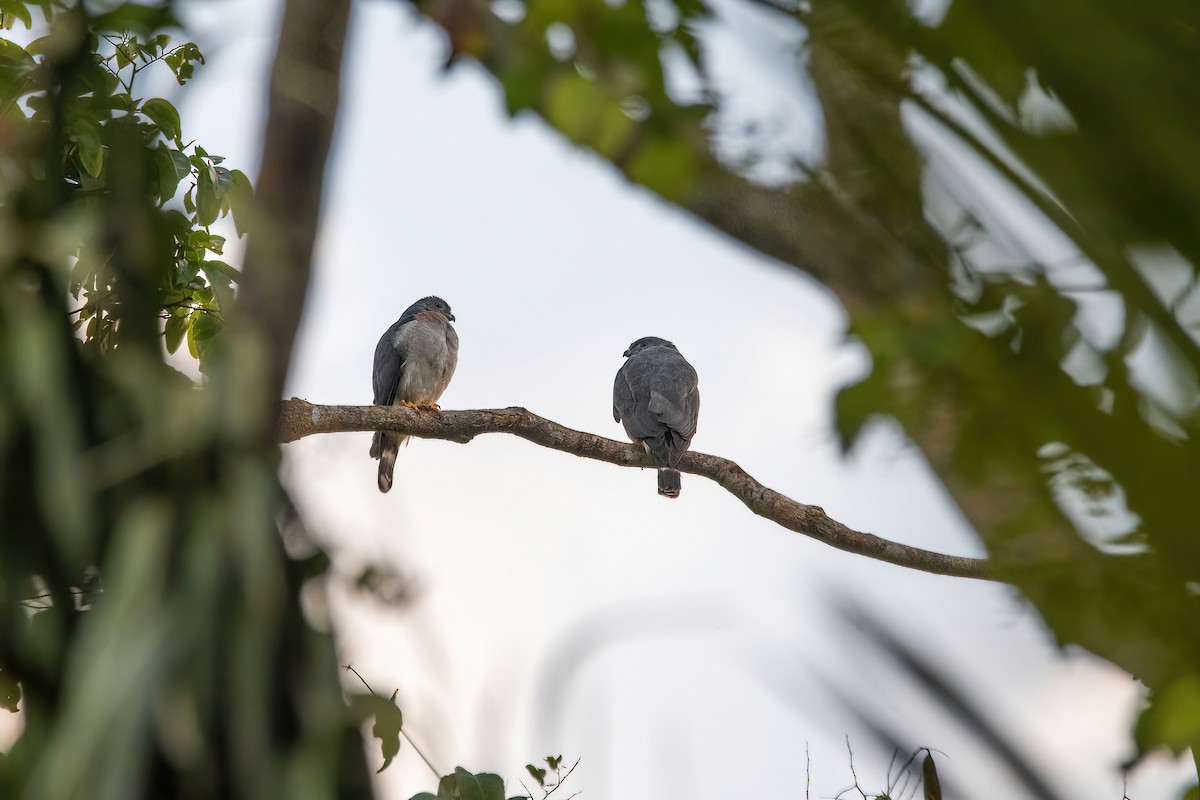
{"points": [[657, 398], [414, 362]]}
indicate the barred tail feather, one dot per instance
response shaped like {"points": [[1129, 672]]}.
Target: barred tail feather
{"points": [[668, 482], [385, 446]]}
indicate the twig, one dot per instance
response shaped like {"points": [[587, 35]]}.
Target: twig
{"points": [[299, 418], [563, 778], [852, 772], [807, 771]]}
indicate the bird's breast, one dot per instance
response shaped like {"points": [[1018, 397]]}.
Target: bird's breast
{"points": [[430, 356]]}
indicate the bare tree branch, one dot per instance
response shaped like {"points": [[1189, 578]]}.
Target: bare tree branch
{"points": [[299, 418]]}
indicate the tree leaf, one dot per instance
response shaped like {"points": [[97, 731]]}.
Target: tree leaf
{"points": [[1173, 718], [193, 345], [223, 180], [208, 207], [19, 11], [467, 785], [164, 115], [933, 786], [183, 165], [491, 786], [538, 774], [220, 279], [388, 722], [137, 18], [168, 176], [175, 329], [84, 130], [241, 198], [854, 405]]}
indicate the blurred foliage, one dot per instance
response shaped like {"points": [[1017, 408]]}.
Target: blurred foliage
{"points": [[1056, 397], [462, 785], [193, 288], [150, 627]]}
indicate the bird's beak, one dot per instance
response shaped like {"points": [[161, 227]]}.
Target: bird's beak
{"points": [[450, 317], [626, 354]]}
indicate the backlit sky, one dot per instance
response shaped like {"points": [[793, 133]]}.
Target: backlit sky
{"points": [[680, 649]]}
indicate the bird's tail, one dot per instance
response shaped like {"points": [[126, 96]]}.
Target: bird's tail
{"points": [[385, 446], [668, 482]]}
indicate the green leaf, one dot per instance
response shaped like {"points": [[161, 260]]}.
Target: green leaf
{"points": [[121, 102], [137, 18], [241, 199], [465, 784], [538, 774], [1173, 718], [223, 180], [193, 345], [19, 11], [388, 722], [424, 796], [84, 130], [187, 269], [183, 166], [491, 786], [220, 279], [175, 329], [208, 207], [164, 115], [168, 175], [854, 405], [41, 45]]}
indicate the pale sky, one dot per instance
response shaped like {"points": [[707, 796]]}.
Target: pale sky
{"points": [[681, 649]]}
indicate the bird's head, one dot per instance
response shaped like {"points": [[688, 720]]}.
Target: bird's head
{"points": [[431, 303], [646, 342]]}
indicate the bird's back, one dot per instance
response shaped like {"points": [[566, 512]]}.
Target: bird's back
{"points": [[662, 394]]}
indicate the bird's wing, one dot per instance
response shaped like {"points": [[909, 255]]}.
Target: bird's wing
{"points": [[631, 396], [622, 396], [674, 394], [389, 364]]}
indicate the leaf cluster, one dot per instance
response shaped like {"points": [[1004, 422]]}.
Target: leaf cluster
{"points": [[188, 669], [190, 186], [463, 785]]}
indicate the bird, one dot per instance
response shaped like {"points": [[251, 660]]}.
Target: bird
{"points": [[414, 361], [656, 396]]}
